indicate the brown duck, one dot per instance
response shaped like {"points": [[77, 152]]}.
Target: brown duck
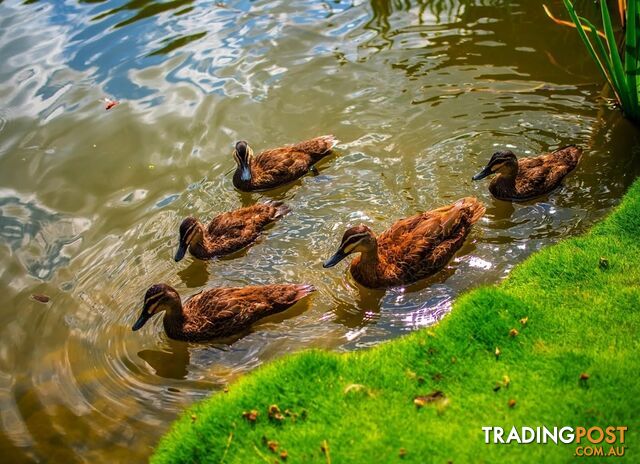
{"points": [[412, 249], [526, 178], [278, 166], [227, 232], [217, 312]]}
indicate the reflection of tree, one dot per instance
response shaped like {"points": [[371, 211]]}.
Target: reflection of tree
{"points": [[443, 10]]}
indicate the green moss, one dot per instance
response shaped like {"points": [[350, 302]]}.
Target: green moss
{"points": [[582, 316]]}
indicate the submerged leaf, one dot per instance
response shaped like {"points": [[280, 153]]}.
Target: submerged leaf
{"points": [[40, 298]]}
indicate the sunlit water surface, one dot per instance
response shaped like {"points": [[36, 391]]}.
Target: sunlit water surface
{"points": [[420, 93]]}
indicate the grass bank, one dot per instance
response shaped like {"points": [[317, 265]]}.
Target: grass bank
{"points": [[508, 355]]}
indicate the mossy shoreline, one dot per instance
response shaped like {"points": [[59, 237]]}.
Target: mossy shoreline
{"points": [[555, 344]]}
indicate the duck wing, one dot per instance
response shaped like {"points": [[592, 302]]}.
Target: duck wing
{"points": [[286, 164], [425, 242], [236, 229], [224, 311], [543, 173]]}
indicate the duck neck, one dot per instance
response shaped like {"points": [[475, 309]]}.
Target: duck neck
{"points": [[202, 248], [506, 180], [173, 320], [370, 260]]}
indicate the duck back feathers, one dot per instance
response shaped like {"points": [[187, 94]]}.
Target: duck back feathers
{"points": [[417, 247], [233, 230], [538, 175], [221, 312], [278, 166]]}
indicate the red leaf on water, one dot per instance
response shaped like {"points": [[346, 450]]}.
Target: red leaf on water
{"points": [[108, 103]]}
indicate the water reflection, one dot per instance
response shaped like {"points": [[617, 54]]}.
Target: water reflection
{"points": [[420, 93], [172, 363]]}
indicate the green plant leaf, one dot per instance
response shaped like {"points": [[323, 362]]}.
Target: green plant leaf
{"points": [[618, 71]]}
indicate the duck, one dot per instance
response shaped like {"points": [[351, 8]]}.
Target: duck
{"points": [[217, 312], [411, 249], [527, 178], [228, 232], [278, 166]]}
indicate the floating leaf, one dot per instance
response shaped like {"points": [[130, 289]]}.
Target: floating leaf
{"points": [[108, 103]]}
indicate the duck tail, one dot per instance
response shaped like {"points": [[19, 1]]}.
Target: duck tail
{"points": [[304, 290], [280, 208], [319, 145], [570, 153], [476, 208], [286, 295]]}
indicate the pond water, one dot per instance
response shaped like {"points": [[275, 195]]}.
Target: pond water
{"points": [[420, 93]]}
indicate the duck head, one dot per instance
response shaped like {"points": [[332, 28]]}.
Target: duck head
{"points": [[502, 162], [159, 297], [358, 239], [191, 232], [243, 155]]}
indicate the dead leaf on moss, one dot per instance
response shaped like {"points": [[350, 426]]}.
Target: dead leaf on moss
{"points": [[524, 320], [432, 397], [274, 413], [353, 387], [272, 445], [512, 403], [604, 263], [251, 416], [513, 333], [584, 376], [284, 455], [325, 450]]}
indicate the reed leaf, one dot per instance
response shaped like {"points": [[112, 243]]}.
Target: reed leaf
{"points": [[622, 72]]}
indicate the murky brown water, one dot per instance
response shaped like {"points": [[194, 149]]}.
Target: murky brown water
{"points": [[420, 93]]}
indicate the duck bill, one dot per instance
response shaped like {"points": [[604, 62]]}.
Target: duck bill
{"points": [[335, 259], [142, 320], [245, 172], [182, 250], [482, 174]]}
